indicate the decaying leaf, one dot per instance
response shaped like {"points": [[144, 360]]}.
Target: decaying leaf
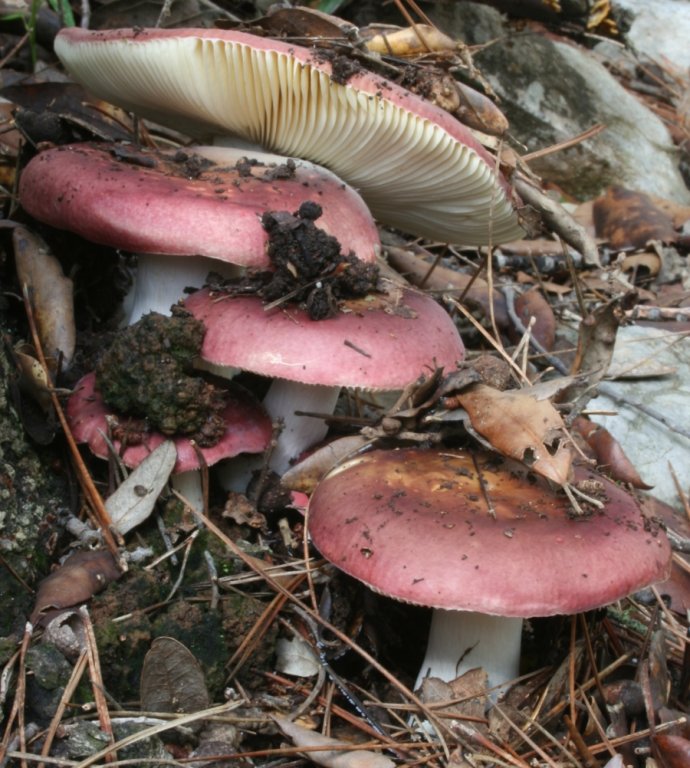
{"points": [[298, 22], [467, 692], [596, 340], [171, 679], [331, 756], [51, 293], [521, 427], [134, 500], [609, 455], [629, 219], [80, 577]]}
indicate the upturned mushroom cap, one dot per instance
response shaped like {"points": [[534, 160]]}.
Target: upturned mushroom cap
{"points": [[183, 203], [248, 429], [417, 167], [414, 525], [373, 343]]}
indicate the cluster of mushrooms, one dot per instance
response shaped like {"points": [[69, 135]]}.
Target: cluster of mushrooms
{"points": [[411, 523]]}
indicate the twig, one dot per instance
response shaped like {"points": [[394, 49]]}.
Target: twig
{"points": [[590, 133], [87, 484], [290, 597], [559, 220]]}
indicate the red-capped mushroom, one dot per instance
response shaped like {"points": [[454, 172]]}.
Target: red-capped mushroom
{"points": [[381, 342], [202, 207], [416, 166], [248, 430], [415, 525]]}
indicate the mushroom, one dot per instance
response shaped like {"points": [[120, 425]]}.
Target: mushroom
{"points": [[201, 211], [248, 430], [416, 525], [416, 166], [380, 342]]}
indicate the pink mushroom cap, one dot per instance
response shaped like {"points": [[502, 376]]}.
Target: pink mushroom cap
{"points": [[416, 166], [182, 203], [414, 525], [248, 429], [374, 343]]}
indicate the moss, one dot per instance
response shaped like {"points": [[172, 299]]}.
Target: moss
{"points": [[148, 372]]}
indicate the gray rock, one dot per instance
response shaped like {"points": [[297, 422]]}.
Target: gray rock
{"points": [[552, 91], [656, 29]]}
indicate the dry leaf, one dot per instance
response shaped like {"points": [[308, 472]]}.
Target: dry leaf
{"points": [[306, 474], [294, 656], [410, 41], [672, 751], [80, 577], [331, 756], [521, 427], [171, 679], [629, 219], [134, 500], [51, 293], [609, 455]]}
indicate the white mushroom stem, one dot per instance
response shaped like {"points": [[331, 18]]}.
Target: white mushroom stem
{"points": [[463, 640], [299, 432], [188, 485], [161, 280]]}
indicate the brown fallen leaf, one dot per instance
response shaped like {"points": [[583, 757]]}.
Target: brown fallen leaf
{"points": [[80, 577], [51, 293], [629, 219], [329, 754], [609, 455], [172, 679], [671, 751], [518, 425]]}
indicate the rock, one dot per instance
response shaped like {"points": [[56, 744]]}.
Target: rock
{"points": [[656, 29], [552, 91], [648, 443]]}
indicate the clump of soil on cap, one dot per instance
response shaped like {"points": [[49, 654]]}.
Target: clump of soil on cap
{"points": [[147, 372], [310, 267]]}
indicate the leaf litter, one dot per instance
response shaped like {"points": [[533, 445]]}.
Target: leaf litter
{"points": [[609, 688]]}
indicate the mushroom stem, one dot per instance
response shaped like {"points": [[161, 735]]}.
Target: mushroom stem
{"points": [[188, 485], [463, 640], [161, 280], [299, 432]]}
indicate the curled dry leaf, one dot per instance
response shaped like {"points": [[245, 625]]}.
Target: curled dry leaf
{"points": [[305, 475], [80, 577], [171, 679], [330, 755], [609, 455], [51, 293], [410, 41], [521, 427]]}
